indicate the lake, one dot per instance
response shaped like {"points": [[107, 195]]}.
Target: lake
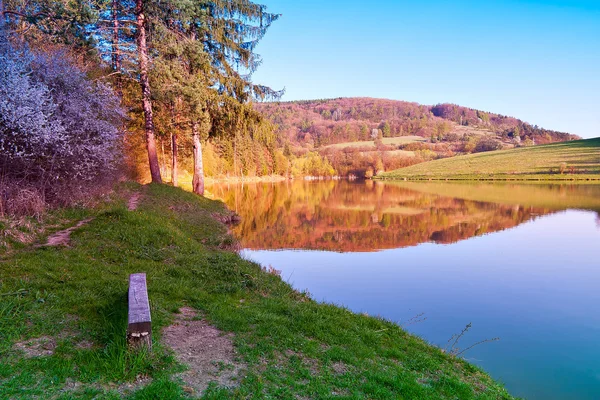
{"points": [[519, 262]]}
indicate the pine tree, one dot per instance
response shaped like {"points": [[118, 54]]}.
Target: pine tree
{"points": [[195, 55], [200, 45]]}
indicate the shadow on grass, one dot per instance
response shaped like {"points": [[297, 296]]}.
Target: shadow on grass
{"points": [[113, 360]]}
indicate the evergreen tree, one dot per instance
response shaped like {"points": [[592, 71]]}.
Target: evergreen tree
{"points": [[193, 55], [204, 45]]}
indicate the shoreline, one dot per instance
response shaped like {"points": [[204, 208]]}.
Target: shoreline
{"points": [[589, 178], [285, 339]]}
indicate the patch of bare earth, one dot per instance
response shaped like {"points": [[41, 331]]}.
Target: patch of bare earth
{"points": [[44, 346], [339, 368], [134, 201], [124, 389], [37, 347], [312, 364], [62, 238], [207, 352]]}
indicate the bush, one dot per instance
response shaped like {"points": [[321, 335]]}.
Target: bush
{"points": [[22, 201], [59, 131], [312, 164], [487, 144], [415, 146], [90, 115]]}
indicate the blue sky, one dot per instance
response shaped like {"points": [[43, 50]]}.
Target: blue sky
{"points": [[538, 60]]}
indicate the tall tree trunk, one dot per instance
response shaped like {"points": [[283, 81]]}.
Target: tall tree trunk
{"points": [[145, 86], [163, 165], [174, 166], [116, 55], [174, 125], [198, 180]]}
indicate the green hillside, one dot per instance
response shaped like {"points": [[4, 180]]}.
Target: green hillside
{"points": [[574, 160]]}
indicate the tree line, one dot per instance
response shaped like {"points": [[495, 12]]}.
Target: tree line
{"points": [[320, 123]]}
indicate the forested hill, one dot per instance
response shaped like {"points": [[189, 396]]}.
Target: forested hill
{"points": [[318, 123]]}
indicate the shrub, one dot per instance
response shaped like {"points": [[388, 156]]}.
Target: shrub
{"points": [[22, 201], [59, 131], [312, 164], [527, 142], [487, 144], [29, 135], [415, 146]]}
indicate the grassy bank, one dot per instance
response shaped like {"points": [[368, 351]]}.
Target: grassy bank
{"points": [[291, 346], [575, 160]]}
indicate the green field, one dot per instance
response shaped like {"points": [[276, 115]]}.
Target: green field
{"points": [[290, 346], [575, 160], [394, 141], [555, 196]]}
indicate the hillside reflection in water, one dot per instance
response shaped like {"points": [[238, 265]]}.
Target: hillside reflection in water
{"points": [[369, 216], [446, 250]]}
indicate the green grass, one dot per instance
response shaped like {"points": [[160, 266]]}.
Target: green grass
{"points": [[558, 196], [292, 345], [579, 160], [387, 141]]}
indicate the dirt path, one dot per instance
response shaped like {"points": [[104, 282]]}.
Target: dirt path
{"points": [[62, 238], [208, 353], [134, 201]]}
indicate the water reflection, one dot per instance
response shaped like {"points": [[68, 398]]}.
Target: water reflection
{"points": [[535, 286], [369, 216]]}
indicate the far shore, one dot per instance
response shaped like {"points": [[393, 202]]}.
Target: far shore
{"points": [[525, 178], [267, 179], [579, 178]]}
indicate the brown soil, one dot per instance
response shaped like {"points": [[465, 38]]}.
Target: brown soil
{"points": [[37, 347], [339, 368], [62, 238], [208, 353]]}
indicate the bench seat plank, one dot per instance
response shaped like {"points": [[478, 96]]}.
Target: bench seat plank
{"points": [[139, 329]]}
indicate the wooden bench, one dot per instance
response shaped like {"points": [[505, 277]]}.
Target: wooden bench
{"points": [[139, 329]]}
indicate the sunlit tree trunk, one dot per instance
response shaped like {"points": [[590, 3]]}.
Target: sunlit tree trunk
{"points": [[146, 97], [198, 180], [163, 164], [174, 127], [174, 151]]}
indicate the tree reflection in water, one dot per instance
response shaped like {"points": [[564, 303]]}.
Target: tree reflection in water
{"points": [[368, 216]]}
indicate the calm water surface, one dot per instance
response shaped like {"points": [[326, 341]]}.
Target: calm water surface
{"points": [[519, 262]]}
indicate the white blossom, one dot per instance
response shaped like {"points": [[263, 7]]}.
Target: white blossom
{"points": [[55, 123]]}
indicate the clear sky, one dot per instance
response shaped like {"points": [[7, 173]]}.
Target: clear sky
{"points": [[537, 60]]}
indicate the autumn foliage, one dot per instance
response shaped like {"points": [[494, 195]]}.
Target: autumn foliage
{"points": [[356, 135], [370, 216]]}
